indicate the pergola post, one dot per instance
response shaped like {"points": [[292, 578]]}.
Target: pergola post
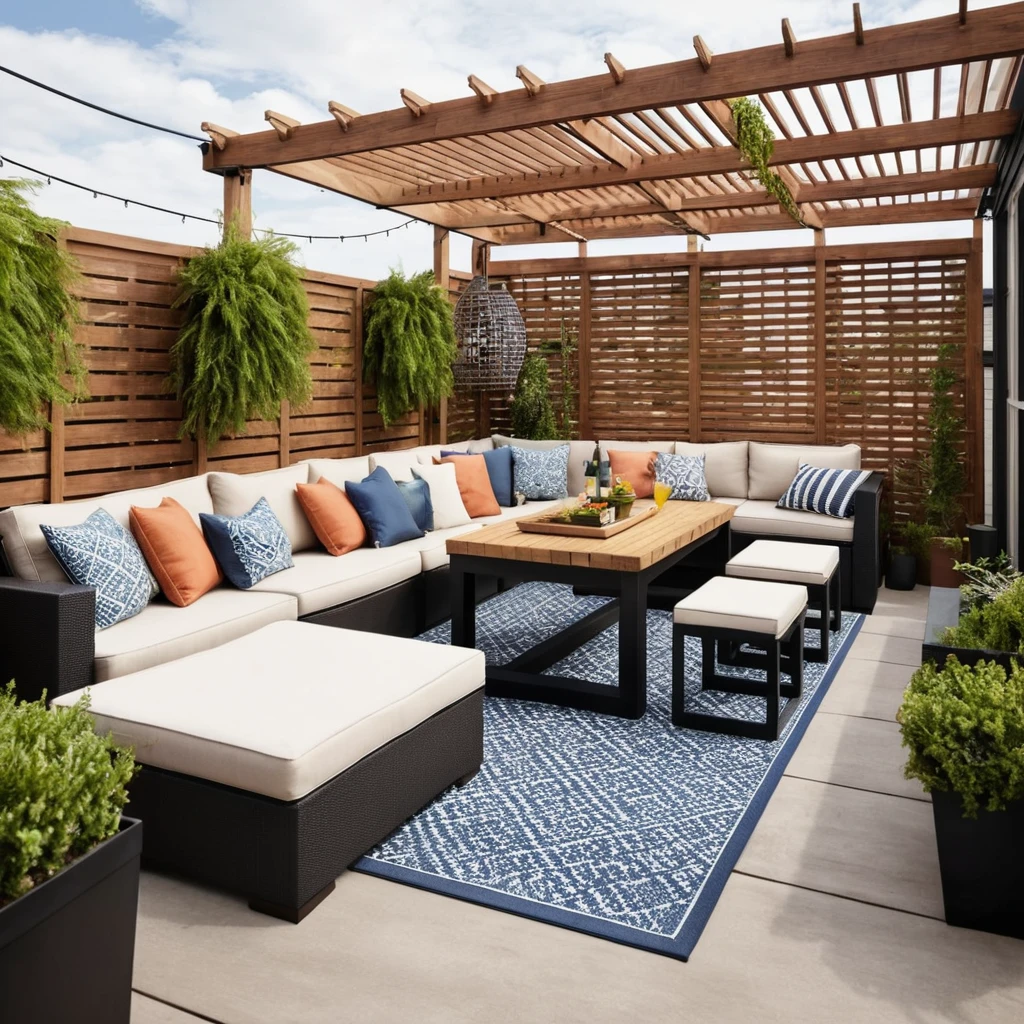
{"points": [[238, 201], [442, 275]]}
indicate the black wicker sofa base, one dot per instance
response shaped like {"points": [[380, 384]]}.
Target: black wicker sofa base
{"points": [[284, 856]]}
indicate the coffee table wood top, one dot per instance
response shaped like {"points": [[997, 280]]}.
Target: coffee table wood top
{"points": [[677, 524]]}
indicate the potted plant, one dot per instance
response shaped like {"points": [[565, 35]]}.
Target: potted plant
{"points": [[902, 571], [532, 415], [622, 497], [409, 344], [69, 867], [987, 630], [964, 728], [39, 361], [591, 513], [245, 344]]}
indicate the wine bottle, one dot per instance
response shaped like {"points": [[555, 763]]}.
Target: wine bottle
{"points": [[596, 462]]}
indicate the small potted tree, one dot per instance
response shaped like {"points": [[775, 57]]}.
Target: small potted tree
{"points": [[69, 867], [964, 728]]}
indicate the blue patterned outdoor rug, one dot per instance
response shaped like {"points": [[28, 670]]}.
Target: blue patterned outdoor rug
{"points": [[623, 829]]}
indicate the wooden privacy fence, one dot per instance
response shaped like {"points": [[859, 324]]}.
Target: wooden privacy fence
{"points": [[817, 345], [126, 434]]}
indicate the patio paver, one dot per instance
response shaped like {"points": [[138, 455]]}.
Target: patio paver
{"points": [[870, 689]]}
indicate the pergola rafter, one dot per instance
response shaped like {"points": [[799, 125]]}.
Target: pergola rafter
{"points": [[649, 151]]}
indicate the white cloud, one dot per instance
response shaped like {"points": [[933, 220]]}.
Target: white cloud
{"points": [[228, 60]]}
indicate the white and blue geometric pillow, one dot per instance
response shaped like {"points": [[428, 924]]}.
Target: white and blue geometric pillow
{"points": [[684, 474], [101, 553], [826, 491], [249, 547], [541, 475]]}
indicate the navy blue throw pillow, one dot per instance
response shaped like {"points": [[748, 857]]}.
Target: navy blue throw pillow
{"points": [[249, 547], [382, 508], [499, 470], [417, 497]]}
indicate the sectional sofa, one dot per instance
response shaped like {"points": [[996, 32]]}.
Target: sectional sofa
{"points": [[49, 640]]}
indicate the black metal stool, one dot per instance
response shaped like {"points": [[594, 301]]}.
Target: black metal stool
{"points": [[728, 611]]}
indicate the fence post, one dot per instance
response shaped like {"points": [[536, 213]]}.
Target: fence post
{"points": [[821, 433], [56, 452], [357, 369], [974, 377], [693, 348], [284, 438], [583, 354]]}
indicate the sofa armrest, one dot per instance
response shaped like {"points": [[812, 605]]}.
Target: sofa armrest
{"points": [[867, 543], [49, 636]]}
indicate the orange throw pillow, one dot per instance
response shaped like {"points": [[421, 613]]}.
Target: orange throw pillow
{"points": [[332, 515], [474, 484], [637, 468], [175, 550]]}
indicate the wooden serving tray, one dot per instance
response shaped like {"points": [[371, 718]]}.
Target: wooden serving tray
{"points": [[546, 522]]}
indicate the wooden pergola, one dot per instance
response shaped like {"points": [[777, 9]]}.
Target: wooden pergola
{"points": [[900, 124]]}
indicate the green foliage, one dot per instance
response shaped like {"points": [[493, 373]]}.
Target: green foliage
{"points": [[916, 539], [245, 344], [756, 143], [964, 728], [943, 466], [410, 344], [997, 625], [532, 415], [62, 789], [565, 349], [38, 314], [985, 579]]}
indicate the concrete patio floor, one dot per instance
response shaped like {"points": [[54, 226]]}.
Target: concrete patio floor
{"points": [[833, 913]]}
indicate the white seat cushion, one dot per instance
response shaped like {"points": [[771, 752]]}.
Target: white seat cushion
{"points": [[764, 517], [773, 466], [26, 546], [785, 561], [751, 606], [164, 633], [725, 466], [530, 508], [285, 709], [431, 546], [319, 580], [235, 493]]}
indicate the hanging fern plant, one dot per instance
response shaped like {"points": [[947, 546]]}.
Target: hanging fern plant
{"points": [[756, 142], [245, 344], [410, 344], [39, 361]]}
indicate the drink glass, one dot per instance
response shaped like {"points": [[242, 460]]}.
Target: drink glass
{"points": [[661, 492]]}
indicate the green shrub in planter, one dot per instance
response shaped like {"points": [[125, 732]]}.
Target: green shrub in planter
{"points": [[62, 789], [531, 412], [997, 625], [964, 728]]}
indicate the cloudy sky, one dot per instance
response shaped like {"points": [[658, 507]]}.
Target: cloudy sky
{"points": [[180, 62]]}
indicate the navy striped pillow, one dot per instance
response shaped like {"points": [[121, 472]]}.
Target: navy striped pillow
{"points": [[826, 491]]}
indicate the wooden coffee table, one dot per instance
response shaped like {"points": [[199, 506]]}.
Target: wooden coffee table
{"points": [[624, 565]]}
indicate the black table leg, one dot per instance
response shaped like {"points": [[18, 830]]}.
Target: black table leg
{"points": [[633, 646], [463, 602]]}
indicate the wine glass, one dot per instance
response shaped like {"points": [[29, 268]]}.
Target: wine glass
{"points": [[661, 492]]}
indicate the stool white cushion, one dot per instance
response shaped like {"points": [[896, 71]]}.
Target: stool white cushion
{"points": [[786, 562], [282, 710], [750, 606]]}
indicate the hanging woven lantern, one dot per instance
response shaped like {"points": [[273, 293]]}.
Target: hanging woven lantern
{"points": [[491, 335]]}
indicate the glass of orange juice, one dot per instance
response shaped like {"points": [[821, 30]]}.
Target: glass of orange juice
{"points": [[661, 492]]}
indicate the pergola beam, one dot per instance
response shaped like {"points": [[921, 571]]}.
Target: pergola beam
{"points": [[726, 159], [987, 34]]}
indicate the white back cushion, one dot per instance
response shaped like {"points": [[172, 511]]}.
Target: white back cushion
{"points": [[399, 464], [25, 544], [236, 493], [580, 454], [773, 466], [725, 466], [339, 470]]}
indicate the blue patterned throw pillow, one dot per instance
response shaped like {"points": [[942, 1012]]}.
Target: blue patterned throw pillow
{"points": [[249, 547], [541, 475], [417, 497], [684, 474], [826, 491], [101, 553]]}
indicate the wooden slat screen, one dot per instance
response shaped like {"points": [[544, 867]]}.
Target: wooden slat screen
{"points": [[126, 433]]}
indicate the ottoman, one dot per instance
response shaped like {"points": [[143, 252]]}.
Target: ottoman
{"points": [[273, 762]]}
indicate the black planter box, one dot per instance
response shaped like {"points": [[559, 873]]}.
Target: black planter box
{"points": [[902, 573], [980, 862], [944, 611], [67, 946]]}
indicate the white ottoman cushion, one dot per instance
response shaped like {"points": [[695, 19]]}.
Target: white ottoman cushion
{"points": [[282, 710], [750, 606], [785, 561]]}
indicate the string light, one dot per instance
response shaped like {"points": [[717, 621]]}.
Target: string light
{"points": [[96, 193]]}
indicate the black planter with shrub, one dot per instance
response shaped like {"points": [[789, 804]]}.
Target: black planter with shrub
{"points": [[69, 867], [964, 728]]}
